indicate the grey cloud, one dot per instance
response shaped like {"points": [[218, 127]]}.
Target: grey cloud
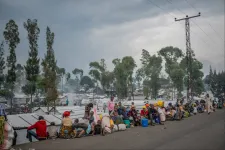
{"points": [[73, 22]]}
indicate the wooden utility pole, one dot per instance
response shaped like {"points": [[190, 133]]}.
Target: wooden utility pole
{"points": [[189, 52]]}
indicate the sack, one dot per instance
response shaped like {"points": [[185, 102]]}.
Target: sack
{"points": [[105, 122], [107, 130], [122, 127]]}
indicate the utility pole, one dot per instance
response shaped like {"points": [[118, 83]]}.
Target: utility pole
{"points": [[189, 52]]}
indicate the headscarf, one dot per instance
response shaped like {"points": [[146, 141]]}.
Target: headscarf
{"points": [[147, 105], [66, 114], [144, 107]]}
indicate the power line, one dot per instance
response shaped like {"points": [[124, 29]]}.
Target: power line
{"points": [[189, 52], [175, 17], [194, 23], [207, 22]]}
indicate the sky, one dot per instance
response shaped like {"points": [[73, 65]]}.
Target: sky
{"points": [[89, 30]]}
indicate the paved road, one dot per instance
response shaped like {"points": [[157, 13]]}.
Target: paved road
{"points": [[198, 132]]}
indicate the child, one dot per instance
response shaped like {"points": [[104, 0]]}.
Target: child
{"points": [[52, 131], [97, 129], [91, 117], [77, 130]]}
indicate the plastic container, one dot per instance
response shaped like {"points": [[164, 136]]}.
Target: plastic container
{"points": [[127, 123], [144, 122], [157, 120]]}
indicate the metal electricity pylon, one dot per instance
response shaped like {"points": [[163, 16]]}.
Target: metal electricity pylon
{"points": [[189, 52]]}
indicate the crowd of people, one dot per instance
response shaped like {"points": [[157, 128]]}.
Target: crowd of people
{"points": [[119, 118]]}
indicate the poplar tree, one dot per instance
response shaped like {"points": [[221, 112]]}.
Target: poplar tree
{"points": [[11, 35], [49, 69], [32, 64]]}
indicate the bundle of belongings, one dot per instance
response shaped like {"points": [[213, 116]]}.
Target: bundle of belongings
{"points": [[7, 134]]}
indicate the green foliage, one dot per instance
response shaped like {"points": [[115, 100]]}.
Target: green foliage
{"points": [[68, 76], [2, 65], [77, 71], [49, 69], [123, 73], [196, 75], [172, 55], [86, 80], [100, 74], [151, 68], [216, 82], [32, 65], [11, 35]]}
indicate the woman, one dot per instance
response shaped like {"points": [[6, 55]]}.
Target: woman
{"points": [[66, 128], [144, 113], [111, 105], [88, 108], [133, 114], [116, 117]]}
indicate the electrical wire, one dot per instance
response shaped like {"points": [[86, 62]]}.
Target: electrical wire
{"points": [[175, 17], [207, 22], [194, 23]]}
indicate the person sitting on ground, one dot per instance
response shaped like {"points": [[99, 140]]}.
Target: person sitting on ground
{"points": [[125, 114], [77, 129], [144, 113], [41, 130], [88, 108], [116, 117], [120, 108], [66, 127], [52, 131], [97, 129], [134, 116]]}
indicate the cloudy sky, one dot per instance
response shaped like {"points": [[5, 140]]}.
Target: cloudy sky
{"points": [[88, 30]]}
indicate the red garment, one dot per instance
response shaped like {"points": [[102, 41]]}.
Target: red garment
{"points": [[66, 114], [41, 128], [144, 113]]}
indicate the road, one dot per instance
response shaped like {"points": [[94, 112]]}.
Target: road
{"points": [[197, 132]]}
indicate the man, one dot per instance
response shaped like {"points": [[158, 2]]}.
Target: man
{"points": [[41, 130], [209, 105], [111, 105]]}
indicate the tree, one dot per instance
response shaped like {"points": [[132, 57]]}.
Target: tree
{"points": [[139, 76], [172, 55], [197, 85], [60, 74], [123, 73], [121, 79], [20, 78], [77, 71], [100, 74], [87, 82], [11, 35], [49, 69], [67, 76], [32, 64], [151, 67], [2, 65]]}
